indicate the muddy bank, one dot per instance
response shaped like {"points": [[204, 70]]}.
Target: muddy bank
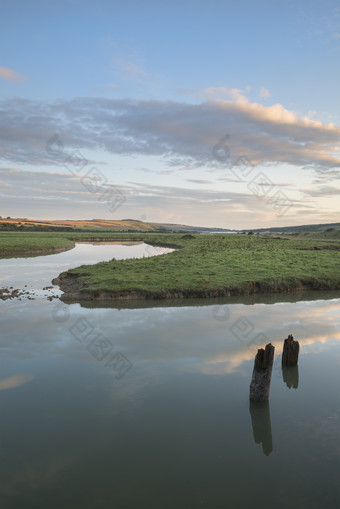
{"points": [[11, 293], [76, 291]]}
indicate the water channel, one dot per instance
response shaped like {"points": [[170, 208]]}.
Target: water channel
{"points": [[146, 404]]}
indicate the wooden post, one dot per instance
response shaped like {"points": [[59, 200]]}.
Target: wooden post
{"points": [[290, 353], [262, 374]]}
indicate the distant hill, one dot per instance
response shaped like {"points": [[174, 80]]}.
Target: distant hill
{"points": [[125, 225], [298, 229], [134, 225]]}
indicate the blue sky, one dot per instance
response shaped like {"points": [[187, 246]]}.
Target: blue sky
{"points": [[205, 113]]}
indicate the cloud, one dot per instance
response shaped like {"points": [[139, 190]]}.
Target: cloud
{"points": [[264, 93], [113, 87], [38, 194], [323, 191], [54, 195], [199, 181], [128, 69], [326, 26], [129, 66], [10, 75], [216, 93], [180, 134]]}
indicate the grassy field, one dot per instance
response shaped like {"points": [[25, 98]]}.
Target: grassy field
{"points": [[213, 265], [12, 244], [35, 243], [208, 265]]}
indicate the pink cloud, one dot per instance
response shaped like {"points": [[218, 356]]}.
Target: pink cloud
{"points": [[10, 75]]}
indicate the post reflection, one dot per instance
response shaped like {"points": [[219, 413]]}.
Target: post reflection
{"points": [[290, 376], [262, 429]]}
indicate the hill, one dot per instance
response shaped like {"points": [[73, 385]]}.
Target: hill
{"points": [[104, 225], [299, 229]]}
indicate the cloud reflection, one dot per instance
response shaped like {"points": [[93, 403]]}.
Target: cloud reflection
{"points": [[15, 381], [162, 341]]}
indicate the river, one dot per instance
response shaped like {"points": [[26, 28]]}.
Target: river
{"points": [[146, 405]]}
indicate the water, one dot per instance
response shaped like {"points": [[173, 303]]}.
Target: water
{"points": [[148, 407], [34, 274]]}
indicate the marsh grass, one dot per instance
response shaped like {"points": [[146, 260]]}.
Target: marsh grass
{"points": [[218, 265], [16, 243], [28, 243], [203, 265]]}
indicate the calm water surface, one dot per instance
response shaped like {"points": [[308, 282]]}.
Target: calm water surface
{"points": [[37, 272], [148, 407]]}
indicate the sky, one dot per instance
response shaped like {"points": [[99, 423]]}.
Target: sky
{"points": [[218, 114]]}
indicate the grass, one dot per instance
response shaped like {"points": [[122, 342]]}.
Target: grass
{"points": [[12, 244], [35, 243], [208, 265], [213, 265]]}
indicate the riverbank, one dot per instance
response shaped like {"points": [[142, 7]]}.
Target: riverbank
{"points": [[75, 291], [33, 244], [211, 266], [20, 244], [208, 266], [35, 252]]}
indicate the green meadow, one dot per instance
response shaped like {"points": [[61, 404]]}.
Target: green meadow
{"points": [[12, 244], [202, 265], [37, 243], [214, 265]]}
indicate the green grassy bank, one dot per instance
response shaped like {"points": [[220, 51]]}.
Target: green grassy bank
{"points": [[208, 265], [38, 243], [16, 244], [211, 266]]}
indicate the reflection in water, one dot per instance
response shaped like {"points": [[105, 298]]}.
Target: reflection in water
{"points": [[290, 376], [216, 302], [262, 429], [77, 413], [15, 381]]}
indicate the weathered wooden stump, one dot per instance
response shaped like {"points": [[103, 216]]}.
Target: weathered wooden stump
{"points": [[262, 429], [290, 353], [262, 374]]}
